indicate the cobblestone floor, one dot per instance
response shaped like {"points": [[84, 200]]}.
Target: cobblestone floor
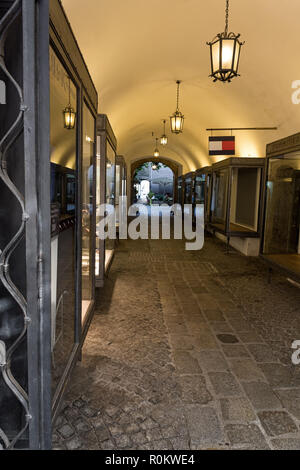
{"points": [[187, 350]]}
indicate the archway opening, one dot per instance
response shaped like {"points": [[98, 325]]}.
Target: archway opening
{"points": [[153, 184]]}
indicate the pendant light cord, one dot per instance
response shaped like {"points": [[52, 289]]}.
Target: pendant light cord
{"points": [[227, 18], [69, 91], [178, 85]]}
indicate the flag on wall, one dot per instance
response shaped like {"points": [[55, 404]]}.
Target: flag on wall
{"points": [[222, 145]]}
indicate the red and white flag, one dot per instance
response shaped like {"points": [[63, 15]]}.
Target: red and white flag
{"points": [[222, 145]]}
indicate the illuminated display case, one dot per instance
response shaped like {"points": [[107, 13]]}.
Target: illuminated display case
{"points": [[180, 190], [236, 197], [202, 191], [188, 183], [121, 183], [106, 191], [281, 241], [72, 162]]}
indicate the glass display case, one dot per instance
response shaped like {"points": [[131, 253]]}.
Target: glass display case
{"points": [[202, 191], [121, 184], [281, 243], [189, 180], [180, 190], [106, 191], [63, 211], [69, 219], [236, 195], [87, 182]]}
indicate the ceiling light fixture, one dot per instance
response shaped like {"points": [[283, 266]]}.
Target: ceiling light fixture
{"points": [[225, 51], [156, 151], [177, 119], [164, 138]]}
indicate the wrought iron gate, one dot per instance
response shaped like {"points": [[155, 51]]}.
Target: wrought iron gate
{"points": [[25, 328]]}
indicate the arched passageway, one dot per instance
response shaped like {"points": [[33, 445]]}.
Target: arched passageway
{"points": [[160, 162]]}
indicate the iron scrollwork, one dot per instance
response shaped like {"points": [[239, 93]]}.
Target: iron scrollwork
{"points": [[6, 144]]}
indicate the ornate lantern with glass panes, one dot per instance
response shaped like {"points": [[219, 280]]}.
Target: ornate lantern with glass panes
{"points": [[164, 138], [156, 151], [225, 51], [177, 119]]}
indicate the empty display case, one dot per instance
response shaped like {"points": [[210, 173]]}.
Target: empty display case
{"points": [[281, 242], [121, 184], [180, 186], [235, 204], [189, 180], [202, 191]]}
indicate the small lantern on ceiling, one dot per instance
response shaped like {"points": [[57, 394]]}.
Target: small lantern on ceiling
{"points": [[156, 151], [164, 138], [69, 112], [225, 51], [177, 119]]}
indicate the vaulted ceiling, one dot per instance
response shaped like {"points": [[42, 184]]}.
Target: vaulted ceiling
{"points": [[137, 49]]}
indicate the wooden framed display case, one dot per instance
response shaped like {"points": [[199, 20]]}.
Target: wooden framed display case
{"points": [[236, 202], [105, 190], [47, 292], [188, 185], [180, 187], [202, 191], [121, 184], [281, 238]]}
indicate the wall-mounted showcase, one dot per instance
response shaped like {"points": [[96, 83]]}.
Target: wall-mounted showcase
{"points": [[281, 241], [202, 191], [106, 191], [121, 183], [180, 186], [236, 202], [189, 181], [49, 212]]}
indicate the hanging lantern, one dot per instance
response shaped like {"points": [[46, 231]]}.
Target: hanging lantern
{"points": [[164, 138], [156, 151], [69, 112], [177, 119], [225, 51]]}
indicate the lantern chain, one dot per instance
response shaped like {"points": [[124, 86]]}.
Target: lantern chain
{"points": [[227, 18], [178, 85]]}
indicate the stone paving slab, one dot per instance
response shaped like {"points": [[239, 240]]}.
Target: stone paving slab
{"points": [[161, 366], [261, 396], [204, 427], [277, 423]]}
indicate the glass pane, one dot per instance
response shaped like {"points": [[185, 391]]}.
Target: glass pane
{"points": [[63, 221], [227, 53], [207, 195], [219, 198], [179, 191], [118, 183], [187, 190], [98, 203], [216, 56], [245, 196], [110, 195], [237, 56], [88, 123], [283, 206], [199, 189]]}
